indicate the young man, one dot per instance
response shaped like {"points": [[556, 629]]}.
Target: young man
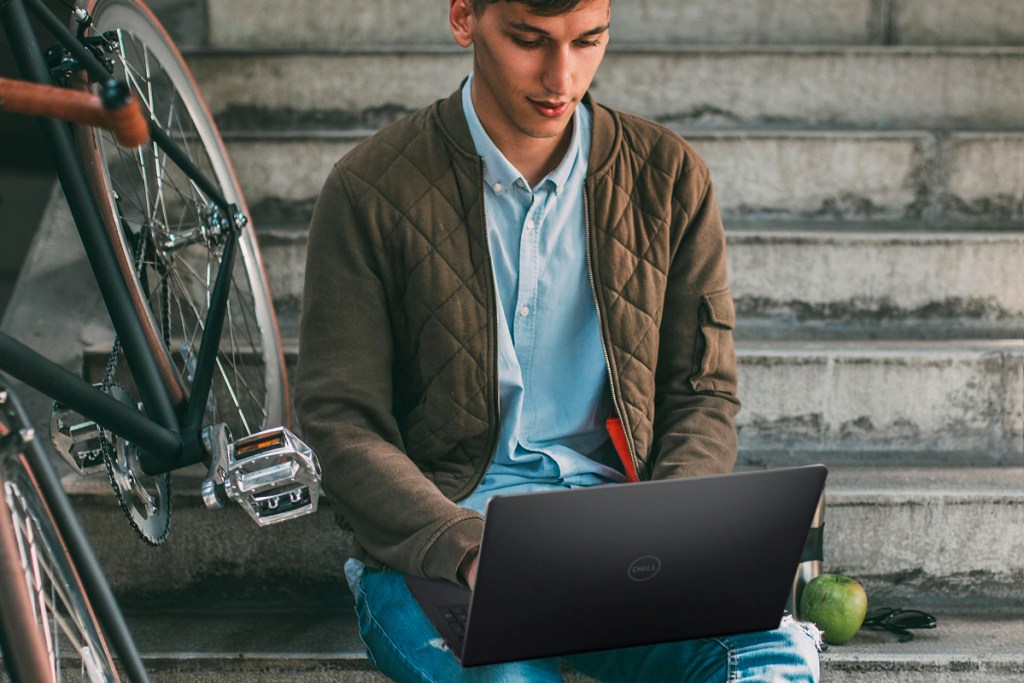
{"points": [[488, 281]]}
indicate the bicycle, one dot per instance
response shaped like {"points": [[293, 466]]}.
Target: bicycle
{"points": [[56, 608], [197, 355]]}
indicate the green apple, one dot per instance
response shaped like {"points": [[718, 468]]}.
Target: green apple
{"points": [[837, 604]]}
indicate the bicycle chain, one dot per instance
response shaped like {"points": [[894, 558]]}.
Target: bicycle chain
{"points": [[109, 453]]}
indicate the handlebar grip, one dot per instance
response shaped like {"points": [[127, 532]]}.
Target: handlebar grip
{"points": [[124, 112], [117, 110]]}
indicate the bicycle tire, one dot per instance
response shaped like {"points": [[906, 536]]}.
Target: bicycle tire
{"points": [[50, 627], [145, 199]]}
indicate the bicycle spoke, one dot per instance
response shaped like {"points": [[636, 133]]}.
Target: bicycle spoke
{"points": [[178, 269]]}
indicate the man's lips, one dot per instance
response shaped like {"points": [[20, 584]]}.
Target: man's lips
{"points": [[550, 109]]}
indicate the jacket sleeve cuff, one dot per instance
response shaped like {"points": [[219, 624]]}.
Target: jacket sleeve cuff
{"points": [[450, 547]]}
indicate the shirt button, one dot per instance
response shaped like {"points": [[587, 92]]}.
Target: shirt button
{"points": [[498, 187], [530, 224], [520, 182], [524, 311]]}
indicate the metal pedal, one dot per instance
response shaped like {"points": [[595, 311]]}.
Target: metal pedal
{"points": [[76, 439], [272, 474]]}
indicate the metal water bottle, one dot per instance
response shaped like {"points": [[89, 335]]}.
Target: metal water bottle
{"points": [[810, 560]]}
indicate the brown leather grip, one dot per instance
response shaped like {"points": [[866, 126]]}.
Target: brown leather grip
{"points": [[126, 121]]}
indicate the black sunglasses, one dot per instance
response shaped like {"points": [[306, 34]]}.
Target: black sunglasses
{"points": [[898, 621]]}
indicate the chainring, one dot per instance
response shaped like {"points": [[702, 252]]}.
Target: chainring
{"points": [[145, 500]]}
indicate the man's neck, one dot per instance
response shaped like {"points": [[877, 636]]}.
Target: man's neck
{"points": [[536, 157]]}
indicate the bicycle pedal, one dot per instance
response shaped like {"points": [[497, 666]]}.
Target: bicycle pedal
{"points": [[76, 439], [272, 474]]}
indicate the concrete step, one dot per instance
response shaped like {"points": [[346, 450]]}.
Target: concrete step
{"points": [[348, 23], [227, 642], [883, 402], [925, 534], [829, 281], [859, 400], [973, 88], [964, 177], [864, 402]]}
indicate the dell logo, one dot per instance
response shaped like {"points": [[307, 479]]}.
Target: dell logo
{"points": [[644, 568]]}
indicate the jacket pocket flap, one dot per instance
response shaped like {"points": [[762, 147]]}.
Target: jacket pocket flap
{"points": [[720, 308]]}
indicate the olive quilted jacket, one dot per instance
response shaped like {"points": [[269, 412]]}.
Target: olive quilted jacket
{"points": [[397, 386]]}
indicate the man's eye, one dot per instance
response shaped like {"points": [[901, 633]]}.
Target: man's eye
{"points": [[588, 43], [522, 42]]}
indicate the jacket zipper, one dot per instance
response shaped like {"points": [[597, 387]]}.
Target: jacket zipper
{"points": [[604, 346], [494, 297]]}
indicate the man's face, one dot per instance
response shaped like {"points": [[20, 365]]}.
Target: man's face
{"points": [[530, 71]]}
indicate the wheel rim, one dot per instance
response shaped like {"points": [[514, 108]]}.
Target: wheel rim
{"points": [[172, 236], [61, 611]]}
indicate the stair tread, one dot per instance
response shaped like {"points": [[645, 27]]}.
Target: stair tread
{"points": [[804, 347], [767, 132], [327, 632], [846, 484], [620, 47], [732, 22]]}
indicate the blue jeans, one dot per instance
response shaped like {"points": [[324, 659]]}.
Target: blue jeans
{"points": [[402, 643]]}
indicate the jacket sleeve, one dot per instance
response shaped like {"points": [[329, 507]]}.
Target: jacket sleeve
{"points": [[696, 379], [344, 398]]}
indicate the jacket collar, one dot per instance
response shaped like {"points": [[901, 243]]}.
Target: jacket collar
{"points": [[604, 136]]}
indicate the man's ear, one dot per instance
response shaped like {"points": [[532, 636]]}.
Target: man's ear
{"points": [[462, 20]]}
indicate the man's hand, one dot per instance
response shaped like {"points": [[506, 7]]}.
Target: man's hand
{"points": [[468, 568]]}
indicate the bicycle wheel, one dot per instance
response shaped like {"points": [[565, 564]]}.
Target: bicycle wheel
{"points": [[49, 630], [168, 233]]}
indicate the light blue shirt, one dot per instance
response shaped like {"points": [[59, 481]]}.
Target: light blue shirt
{"points": [[552, 373]]}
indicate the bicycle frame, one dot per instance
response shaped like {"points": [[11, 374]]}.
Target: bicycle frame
{"points": [[26, 447], [169, 436]]}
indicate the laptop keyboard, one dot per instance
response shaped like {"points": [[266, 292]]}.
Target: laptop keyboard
{"points": [[455, 617]]}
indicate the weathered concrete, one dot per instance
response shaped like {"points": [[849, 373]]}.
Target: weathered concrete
{"points": [[320, 24], [222, 546], [964, 648], [855, 175], [954, 22], [954, 533], [986, 175], [904, 531], [860, 87], [883, 402], [876, 276], [341, 24], [954, 87], [223, 639], [823, 275]]}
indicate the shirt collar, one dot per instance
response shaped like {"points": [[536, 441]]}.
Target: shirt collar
{"points": [[500, 173]]}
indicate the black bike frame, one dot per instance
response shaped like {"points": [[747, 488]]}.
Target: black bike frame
{"points": [[170, 437], [93, 579]]}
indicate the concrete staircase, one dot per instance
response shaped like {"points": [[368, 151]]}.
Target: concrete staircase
{"points": [[868, 157]]}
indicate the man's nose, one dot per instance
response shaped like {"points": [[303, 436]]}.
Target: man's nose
{"points": [[558, 68]]}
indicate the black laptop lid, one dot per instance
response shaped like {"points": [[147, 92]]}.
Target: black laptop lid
{"points": [[616, 566]]}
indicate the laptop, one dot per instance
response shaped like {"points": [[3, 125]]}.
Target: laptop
{"points": [[581, 570]]}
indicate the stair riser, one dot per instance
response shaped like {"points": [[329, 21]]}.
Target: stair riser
{"points": [[891, 407], [314, 669], [876, 278], [347, 23], [883, 407], [966, 88], [908, 549], [858, 279], [851, 176], [892, 545]]}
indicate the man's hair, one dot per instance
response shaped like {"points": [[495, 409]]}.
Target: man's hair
{"points": [[545, 8]]}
